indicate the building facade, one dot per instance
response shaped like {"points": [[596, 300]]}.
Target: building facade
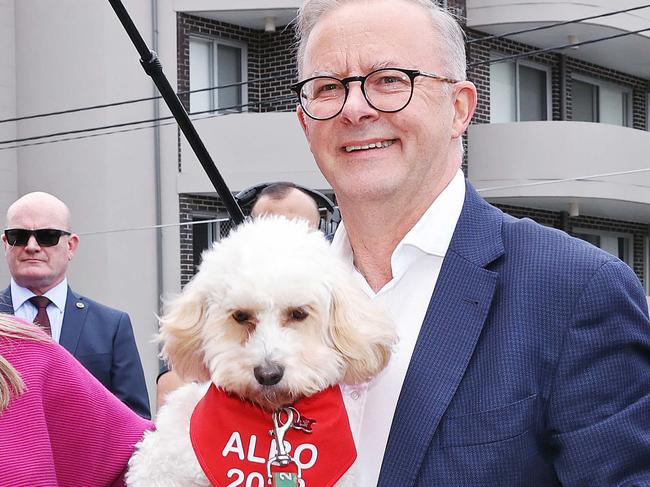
{"points": [[560, 136]]}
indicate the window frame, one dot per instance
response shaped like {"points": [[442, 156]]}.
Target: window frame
{"points": [[629, 237], [533, 65], [214, 71], [599, 83], [213, 232]]}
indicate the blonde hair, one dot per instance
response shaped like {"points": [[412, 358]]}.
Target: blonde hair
{"points": [[10, 381]]}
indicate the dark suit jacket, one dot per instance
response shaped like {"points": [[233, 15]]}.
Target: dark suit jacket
{"points": [[101, 338], [532, 367]]}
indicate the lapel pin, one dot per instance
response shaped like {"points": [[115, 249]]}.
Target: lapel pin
{"points": [[80, 305]]}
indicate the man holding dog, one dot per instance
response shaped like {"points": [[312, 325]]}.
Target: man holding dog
{"points": [[524, 354], [38, 247]]}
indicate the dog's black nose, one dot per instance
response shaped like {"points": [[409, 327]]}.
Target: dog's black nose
{"points": [[268, 375]]}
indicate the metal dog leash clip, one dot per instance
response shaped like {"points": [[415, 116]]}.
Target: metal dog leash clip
{"points": [[282, 457]]}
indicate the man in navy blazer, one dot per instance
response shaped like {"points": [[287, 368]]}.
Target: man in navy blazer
{"points": [[524, 354], [38, 248]]}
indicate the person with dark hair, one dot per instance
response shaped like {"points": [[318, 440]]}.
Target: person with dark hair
{"points": [[58, 424], [524, 354], [288, 200]]}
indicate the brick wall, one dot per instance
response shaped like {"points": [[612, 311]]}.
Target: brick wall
{"points": [[271, 60], [562, 221], [480, 75], [191, 207], [277, 69]]}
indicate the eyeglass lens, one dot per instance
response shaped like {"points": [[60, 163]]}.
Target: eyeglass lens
{"points": [[46, 237], [387, 90]]}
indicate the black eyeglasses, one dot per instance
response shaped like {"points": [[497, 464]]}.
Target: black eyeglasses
{"points": [[387, 90], [46, 237]]}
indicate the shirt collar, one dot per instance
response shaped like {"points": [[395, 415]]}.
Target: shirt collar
{"points": [[431, 234], [57, 294]]}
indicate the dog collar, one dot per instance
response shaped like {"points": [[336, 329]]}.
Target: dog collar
{"points": [[233, 440]]}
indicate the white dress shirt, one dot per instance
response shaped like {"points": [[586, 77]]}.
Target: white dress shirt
{"points": [[415, 266], [27, 311]]}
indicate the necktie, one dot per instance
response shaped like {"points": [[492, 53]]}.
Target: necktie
{"points": [[42, 319]]}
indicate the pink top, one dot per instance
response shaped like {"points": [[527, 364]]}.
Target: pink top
{"points": [[66, 429]]}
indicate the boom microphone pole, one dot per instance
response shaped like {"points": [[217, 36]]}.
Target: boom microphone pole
{"points": [[152, 66]]}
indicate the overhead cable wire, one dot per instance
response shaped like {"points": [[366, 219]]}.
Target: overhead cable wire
{"points": [[136, 100], [566, 180], [135, 122], [555, 24], [155, 120], [151, 227], [212, 88], [480, 190], [195, 114], [555, 48], [252, 81]]}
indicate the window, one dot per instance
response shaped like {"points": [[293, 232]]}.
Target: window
{"points": [[203, 234], [617, 244], [601, 102], [519, 92], [217, 63]]}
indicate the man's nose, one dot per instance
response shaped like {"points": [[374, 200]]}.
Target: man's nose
{"points": [[32, 243], [356, 107]]}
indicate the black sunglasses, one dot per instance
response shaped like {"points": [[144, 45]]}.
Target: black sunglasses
{"points": [[46, 237]]}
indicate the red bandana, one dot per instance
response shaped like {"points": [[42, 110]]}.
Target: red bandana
{"points": [[231, 439]]}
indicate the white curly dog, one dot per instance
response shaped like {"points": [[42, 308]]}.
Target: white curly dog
{"points": [[272, 317]]}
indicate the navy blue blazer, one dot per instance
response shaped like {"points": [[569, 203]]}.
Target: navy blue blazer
{"points": [[101, 338], [532, 367]]}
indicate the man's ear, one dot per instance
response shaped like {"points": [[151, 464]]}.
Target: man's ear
{"points": [[301, 118], [73, 243], [464, 105]]}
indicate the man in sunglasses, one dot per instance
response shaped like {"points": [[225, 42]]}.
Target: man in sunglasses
{"points": [[38, 247], [524, 354]]}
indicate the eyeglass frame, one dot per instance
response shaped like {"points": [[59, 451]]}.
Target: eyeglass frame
{"points": [[411, 73], [34, 233]]}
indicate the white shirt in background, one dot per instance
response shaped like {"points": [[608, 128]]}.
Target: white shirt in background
{"points": [[27, 311]]}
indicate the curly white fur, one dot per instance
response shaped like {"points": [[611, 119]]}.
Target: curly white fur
{"points": [[272, 316]]}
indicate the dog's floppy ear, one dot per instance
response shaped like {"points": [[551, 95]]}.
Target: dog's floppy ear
{"points": [[180, 332], [360, 331]]}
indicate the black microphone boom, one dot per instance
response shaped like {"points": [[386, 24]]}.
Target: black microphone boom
{"points": [[153, 67]]}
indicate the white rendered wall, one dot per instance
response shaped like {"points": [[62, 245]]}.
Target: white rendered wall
{"points": [[8, 167], [169, 154], [235, 5], [516, 157], [251, 148], [73, 53], [487, 12]]}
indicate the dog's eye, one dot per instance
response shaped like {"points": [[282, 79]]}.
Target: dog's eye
{"points": [[241, 316], [298, 314]]}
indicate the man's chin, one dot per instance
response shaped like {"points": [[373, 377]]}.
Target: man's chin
{"points": [[35, 281]]}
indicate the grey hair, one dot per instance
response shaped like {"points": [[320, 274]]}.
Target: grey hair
{"points": [[451, 35]]}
